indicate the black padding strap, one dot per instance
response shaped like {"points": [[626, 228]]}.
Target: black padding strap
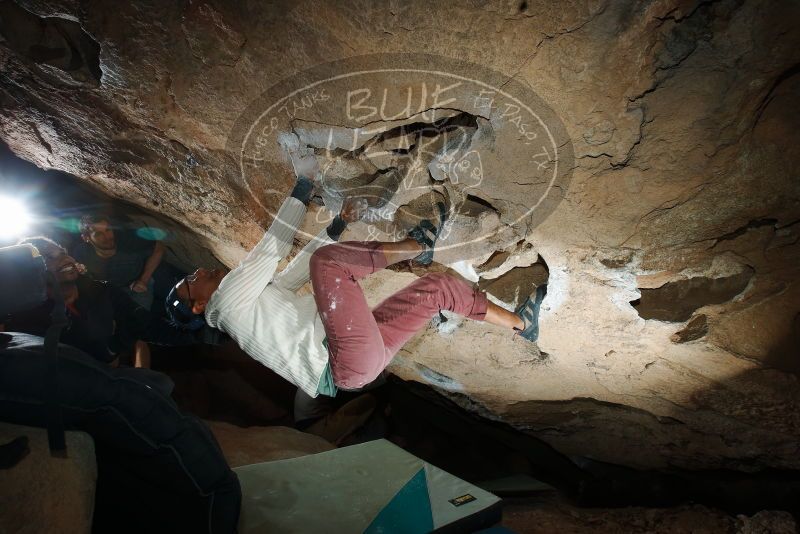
{"points": [[58, 320]]}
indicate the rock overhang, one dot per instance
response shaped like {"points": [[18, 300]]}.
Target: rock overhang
{"points": [[678, 118]]}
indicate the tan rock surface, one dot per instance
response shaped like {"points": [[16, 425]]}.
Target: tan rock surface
{"points": [[43, 493], [252, 445], [680, 116]]}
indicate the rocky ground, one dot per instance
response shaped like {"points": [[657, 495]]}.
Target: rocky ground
{"points": [[554, 516], [46, 494]]}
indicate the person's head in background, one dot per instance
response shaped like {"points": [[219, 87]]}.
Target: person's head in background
{"points": [[96, 230], [63, 266]]}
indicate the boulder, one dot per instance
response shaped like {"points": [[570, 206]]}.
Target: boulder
{"points": [[252, 445], [644, 152], [46, 493]]}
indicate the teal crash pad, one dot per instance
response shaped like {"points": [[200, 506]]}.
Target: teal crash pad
{"points": [[373, 487]]}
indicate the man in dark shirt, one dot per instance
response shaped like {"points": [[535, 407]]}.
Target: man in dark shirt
{"points": [[103, 321], [122, 258]]}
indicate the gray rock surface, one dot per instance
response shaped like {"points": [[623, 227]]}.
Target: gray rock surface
{"points": [[543, 518], [675, 124], [43, 493]]}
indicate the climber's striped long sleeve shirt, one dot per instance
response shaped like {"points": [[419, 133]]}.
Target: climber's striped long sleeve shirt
{"points": [[261, 310]]}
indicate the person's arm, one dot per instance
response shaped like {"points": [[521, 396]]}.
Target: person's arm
{"points": [[130, 321], [246, 282], [298, 272], [150, 266]]}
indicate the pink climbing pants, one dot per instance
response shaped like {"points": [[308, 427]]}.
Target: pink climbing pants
{"points": [[362, 342]]}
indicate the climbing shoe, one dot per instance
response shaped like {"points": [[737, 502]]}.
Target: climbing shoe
{"points": [[528, 311], [426, 233]]}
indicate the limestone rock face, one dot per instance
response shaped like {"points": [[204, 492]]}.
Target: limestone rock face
{"points": [[253, 445], [640, 154], [43, 493]]}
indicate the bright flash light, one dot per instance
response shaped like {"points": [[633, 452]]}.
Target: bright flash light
{"points": [[14, 218]]}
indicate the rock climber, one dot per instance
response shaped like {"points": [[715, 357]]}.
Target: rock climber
{"points": [[332, 339]]}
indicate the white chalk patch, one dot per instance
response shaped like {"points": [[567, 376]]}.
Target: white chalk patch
{"points": [[465, 269], [438, 379], [452, 323], [334, 302], [289, 141]]}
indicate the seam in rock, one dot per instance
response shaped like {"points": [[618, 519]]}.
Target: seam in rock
{"points": [[765, 101], [548, 37]]}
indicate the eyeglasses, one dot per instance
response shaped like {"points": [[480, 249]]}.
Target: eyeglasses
{"points": [[188, 280]]}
